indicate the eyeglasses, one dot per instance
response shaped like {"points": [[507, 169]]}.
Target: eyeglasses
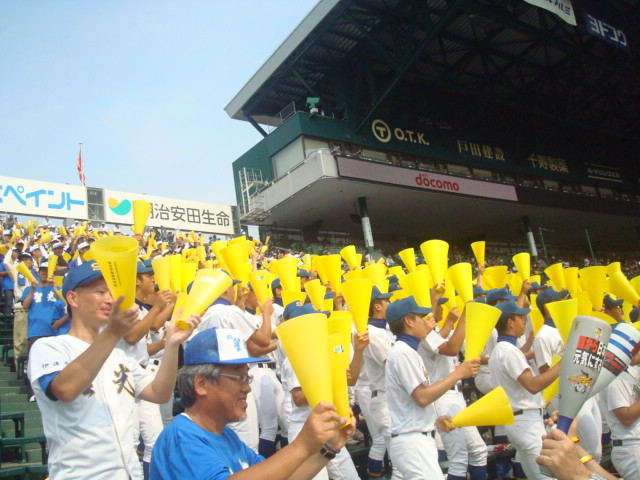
{"points": [[240, 378]]}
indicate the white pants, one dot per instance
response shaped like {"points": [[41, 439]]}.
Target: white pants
{"points": [[292, 433], [590, 428], [268, 393], [382, 420], [416, 456], [247, 428], [626, 459], [378, 445], [526, 437], [464, 446]]}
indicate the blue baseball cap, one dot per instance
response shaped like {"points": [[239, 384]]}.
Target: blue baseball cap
{"points": [[633, 315], [297, 308], [79, 276], [303, 273], [609, 302], [398, 309], [223, 346], [499, 294], [537, 286], [478, 291], [142, 268], [511, 308], [276, 283], [376, 294], [549, 294]]}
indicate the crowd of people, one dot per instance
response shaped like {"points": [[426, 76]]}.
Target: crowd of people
{"points": [[104, 376]]}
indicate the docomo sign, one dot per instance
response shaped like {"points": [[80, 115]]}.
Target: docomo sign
{"points": [[424, 180], [406, 177]]}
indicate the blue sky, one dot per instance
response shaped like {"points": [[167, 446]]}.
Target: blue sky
{"points": [[142, 84]]}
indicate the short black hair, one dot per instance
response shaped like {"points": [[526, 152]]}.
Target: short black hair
{"points": [[397, 326]]}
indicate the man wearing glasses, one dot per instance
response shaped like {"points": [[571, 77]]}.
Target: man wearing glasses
{"points": [[213, 386]]}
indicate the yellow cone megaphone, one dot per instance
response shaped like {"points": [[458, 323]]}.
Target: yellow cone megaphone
{"points": [[289, 296], [26, 273], [416, 284], [141, 211], [162, 272], [117, 258], [350, 256], [331, 265], [377, 273], [593, 280], [481, 320], [522, 261], [317, 264], [261, 285], [492, 409], [621, 287], [352, 275], [206, 289], [462, 279], [236, 258], [305, 340], [339, 361], [216, 248], [498, 275], [436, 254], [563, 313], [613, 268], [316, 291], [287, 270], [52, 262], [408, 257], [571, 279], [515, 283], [552, 390], [478, 251], [556, 275], [188, 274], [584, 304], [537, 320], [357, 295], [175, 264]]}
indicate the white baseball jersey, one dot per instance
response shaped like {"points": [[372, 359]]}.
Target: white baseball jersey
{"points": [[623, 391], [89, 437], [507, 363], [229, 316], [405, 371], [375, 356], [547, 343]]}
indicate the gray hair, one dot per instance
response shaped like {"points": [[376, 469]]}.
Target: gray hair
{"points": [[187, 376]]}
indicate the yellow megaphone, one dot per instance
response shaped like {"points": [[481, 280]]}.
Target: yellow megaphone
{"points": [[318, 265], [287, 270], [593, 281], [571, 279], [461, 278], [556, 275], [416, 284], [236, 258], [206, 289], [522, 261], [397, 271], [552, 390], [26, 273], [188, 274], [331, 265], [175, 263], [481, 320], [216, 247], [261, 285], [316, 291], [584, 304], [289, 296], [162, 272], [498, 275], [377, 273], [563, 313], [141, 211], [613, 268], [52, 262], [339, 362], [537, 320], [350, 256], [492, 409], [515, 283], [357, 295], [181, 298], [621, 287], [408, 257], [352, 275], [117, 258], [478, 251], [305, 340], [436, 253]]}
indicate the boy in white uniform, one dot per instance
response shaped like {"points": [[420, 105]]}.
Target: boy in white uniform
{"points": [[622, 401], [410, 394], [511, 370], [86, 388]]}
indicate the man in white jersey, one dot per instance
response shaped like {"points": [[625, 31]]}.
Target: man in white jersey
{"points": [[86, 388], [511, 370], [410, 394], [622, 412], [152, 314]]}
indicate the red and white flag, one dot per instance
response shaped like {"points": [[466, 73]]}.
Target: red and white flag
{"points": [[80, 172]]}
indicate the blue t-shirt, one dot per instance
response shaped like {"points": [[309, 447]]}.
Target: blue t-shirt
{"points": [[61, 311], [42, 311], [186, 451], [7, 280]]}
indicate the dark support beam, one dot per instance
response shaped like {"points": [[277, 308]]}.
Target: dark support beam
{"points": [[442, 23], [256, 125]]}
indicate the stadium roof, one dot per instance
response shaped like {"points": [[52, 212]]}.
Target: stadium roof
{"points": [[505, 58]]}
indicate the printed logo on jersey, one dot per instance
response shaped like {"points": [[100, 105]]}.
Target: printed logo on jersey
{"points": [[122, 380]]}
